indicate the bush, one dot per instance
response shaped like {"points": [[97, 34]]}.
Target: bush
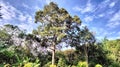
{"points": [[61, 63], [114, 65], [47, 65], [82, 64], [7, 65], [30, 64], [53, 66], [73, 66], [98, 65]]}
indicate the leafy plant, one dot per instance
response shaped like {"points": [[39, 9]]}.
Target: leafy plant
{"points": [[53, 66], [98, 65], [82, 64], [61, 63], [7, 65]]}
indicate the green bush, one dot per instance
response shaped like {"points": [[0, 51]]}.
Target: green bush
{"points": [[82, 64], [7, 65], [61, 63], [53, 66], [30, 64], [114, 65], [98, 65], [47, 65]]}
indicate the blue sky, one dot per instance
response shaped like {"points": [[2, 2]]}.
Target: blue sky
{"points": [[101, 16]]}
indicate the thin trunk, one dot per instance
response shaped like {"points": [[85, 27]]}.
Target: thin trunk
{"points": [[86, 55], [53, 54]]}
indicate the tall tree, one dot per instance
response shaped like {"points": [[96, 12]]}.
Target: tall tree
{"points": [[80, 37], [54, 23]]}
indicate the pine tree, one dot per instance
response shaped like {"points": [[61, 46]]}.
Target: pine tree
{"points": [[54, 23]]}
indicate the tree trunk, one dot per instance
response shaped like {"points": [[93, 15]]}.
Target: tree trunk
{"points": [[86, 55], [53, 54]]}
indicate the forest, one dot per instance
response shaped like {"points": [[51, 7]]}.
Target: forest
{"points": [[58, 41]]}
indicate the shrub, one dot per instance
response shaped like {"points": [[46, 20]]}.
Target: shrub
{"points": [[47, 65], [53, 66], [28, 64], [61, 63], [82, 64], [98, 65], [7, 65]]}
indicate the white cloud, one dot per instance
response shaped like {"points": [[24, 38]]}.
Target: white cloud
{"points": [[88, 19], [116, 17], [101, 15], [37, 8], [114, 21], [101, 6], [88, 8], [76, 8], [7, 11], [30, 19], [13, 16], [112, 4], [22, 18], [48, 1], [23, 25], [101, 32], [113, 24], [29, 25], [106, 14]]}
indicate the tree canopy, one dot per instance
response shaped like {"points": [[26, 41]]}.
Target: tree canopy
{"points": [[54, 23]]}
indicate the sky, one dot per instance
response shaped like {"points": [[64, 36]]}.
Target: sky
{"points": [[102, 17]]}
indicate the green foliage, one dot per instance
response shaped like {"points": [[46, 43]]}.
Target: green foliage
{"points": [[60, 36], [72, 66], [53, 66], [54, 22], [7, 53], [35, 32], [112, 51], [7, 65], [82, 64], [98, 65], [4, 35], [10, 26], [21, 35], [61, 63], [31, 64], [114, 65], [28, 64], [47, 65], [76, 19]]}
